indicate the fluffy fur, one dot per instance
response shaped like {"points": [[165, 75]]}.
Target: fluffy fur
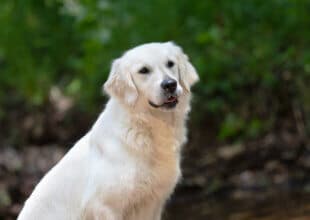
{"points": [[128, 164]]}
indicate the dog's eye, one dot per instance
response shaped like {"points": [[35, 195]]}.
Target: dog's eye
{"points": [[170, 64], [144, 70]]}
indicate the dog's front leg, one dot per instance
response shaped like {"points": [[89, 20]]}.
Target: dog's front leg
{"points": [[98, 211], [151, 211], [158, 212]]}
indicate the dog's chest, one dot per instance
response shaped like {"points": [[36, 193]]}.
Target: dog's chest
{"points": [[141, 168], [158, 169], [133, 184], [136, 179], [153, 176]]}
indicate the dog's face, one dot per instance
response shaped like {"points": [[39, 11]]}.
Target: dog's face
{"points": [[158, 74]]}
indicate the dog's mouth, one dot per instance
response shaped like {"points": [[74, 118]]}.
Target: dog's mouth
{"points": [[170, 102]]}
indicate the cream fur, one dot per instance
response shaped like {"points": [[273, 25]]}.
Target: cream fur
{"points": [[128, 164]]}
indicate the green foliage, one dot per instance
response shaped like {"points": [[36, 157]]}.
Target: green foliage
{"points": [[242, 49], [234, 125]]}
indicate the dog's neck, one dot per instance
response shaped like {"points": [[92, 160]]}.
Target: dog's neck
{"points": [[139, 129]]}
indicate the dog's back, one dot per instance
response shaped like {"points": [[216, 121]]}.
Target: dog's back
{"points": [[59, 193]]}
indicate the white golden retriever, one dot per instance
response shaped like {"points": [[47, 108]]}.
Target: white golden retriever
{"points": [[128, 164]]}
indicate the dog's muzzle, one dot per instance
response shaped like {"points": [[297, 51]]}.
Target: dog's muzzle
{"points": [[170, 102]]}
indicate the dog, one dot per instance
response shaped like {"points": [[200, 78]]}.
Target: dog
{"points": [[128, 164]]}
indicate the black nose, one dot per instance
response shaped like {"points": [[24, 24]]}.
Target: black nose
{"points": [[169, 85]]}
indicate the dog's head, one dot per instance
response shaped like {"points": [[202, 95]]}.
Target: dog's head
{"points": [[158, 74]]}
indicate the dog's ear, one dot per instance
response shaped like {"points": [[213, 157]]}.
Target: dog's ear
{"points": [[120, 84], [187, 72]]}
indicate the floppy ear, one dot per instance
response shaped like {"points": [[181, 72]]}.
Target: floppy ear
{"points": [[120, 84], [187, 72]]}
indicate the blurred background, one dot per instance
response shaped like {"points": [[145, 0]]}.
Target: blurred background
{"points": [[248, 155]]}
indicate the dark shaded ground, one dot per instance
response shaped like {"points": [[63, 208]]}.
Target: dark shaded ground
{"points": [[277, 206]]}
